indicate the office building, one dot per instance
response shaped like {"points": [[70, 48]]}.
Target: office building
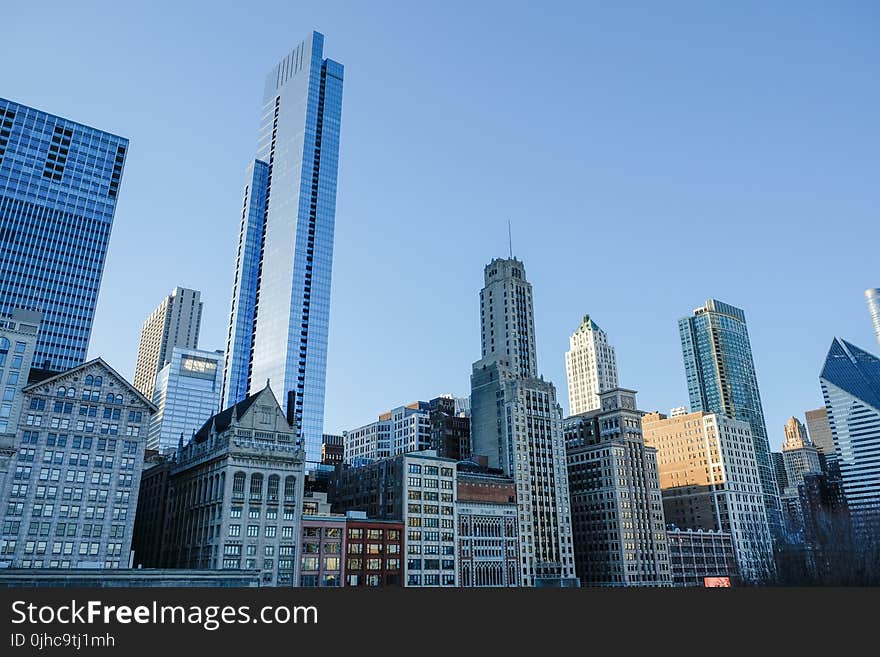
{"points": [[516, 422], [709, 481], [695, 554], [450, 429], [398, 431], [819, 431], [323, 543], [332, 449], [827, 529], [186, 393], [373, 551], [18, 342], [235, 492], [850, 382], [150, 526], [488, 537], [174, 323], [590, 366], [59, 181], [617, 511], [70, 501], [799, 454], [778, 462], [721, 379], [417, 489], [280, 312], [872, 296]]}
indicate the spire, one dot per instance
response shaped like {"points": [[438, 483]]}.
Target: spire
{"points": [[509, 240]]}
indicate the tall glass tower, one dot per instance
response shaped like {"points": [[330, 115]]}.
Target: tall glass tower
{"points": [[281, 293], [872, 296], [58, 186], [850, 381], [721, 379]]}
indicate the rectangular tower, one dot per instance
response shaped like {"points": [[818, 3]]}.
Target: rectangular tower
{"points": [[721, 379], [590, 366], [516, 423], [174, 323], [281, 293], [58, 186]]}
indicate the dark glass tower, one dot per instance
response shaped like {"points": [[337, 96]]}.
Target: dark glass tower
{"points": [[721, 379], [58, 186], [281, 293]]}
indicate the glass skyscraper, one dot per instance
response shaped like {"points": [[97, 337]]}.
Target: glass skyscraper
{"points": [[872, 296], [721, 379], [281, 293], [850, 381], [58, 186]]}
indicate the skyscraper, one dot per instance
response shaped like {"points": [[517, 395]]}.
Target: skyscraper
{"points": [[516, 423], [721, 379], [850, 383], [873, 298], [799, 454], [174, 323], [820, 431], [58, 186], [709, 478], [187, 393], [281, 293], [590, 366]]}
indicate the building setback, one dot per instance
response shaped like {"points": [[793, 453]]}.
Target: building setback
{"points": [[186, 393], [59, 181], [619, 527], [488, 536], [70, 501], [709, 480], [590, 366], [417, 489], [516, 422], [280, 313], [235, 494], [174, 323]]}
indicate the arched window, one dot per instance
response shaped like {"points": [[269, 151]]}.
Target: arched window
{"points": [[109, 398], [4, 344], [61, 391], [90, 380], [290, 489], [99, 380], [118, 399], [71, 393], [256, 486], [238, 485], [272, 494]]}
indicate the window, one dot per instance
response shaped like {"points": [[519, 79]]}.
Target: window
{"points": [[272, 494], [290, 489]]}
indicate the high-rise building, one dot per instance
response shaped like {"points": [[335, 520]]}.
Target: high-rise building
{"points": [[590, 366], [419, 490], [450, 430], [850, 381], [398, 431], [332, 449], [721, 379], [59, 181], [174, 323], [616, 507], [280, 310], [516, 423], [820, 433], [186, 393], [778, 462], [799, 454], [709, 478], [241, 475], [71, 500], [18, 340], [872, 296]]}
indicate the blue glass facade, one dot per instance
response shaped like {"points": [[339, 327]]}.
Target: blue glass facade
{"points": [[281, 294], [721, 379], [58, 186], [850, 381]]}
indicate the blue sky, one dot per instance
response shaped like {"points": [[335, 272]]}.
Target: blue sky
{"points": [[648, 155]]}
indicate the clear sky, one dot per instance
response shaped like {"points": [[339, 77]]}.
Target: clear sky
{"points": [[649, 155]]}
